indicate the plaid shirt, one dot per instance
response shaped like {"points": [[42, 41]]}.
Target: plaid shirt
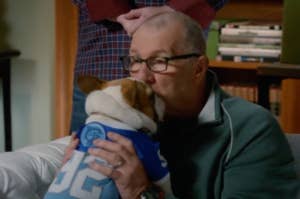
{"points": [[99, 48]]}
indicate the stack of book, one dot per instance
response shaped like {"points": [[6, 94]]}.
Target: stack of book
{"points": [[249, 92], [245, 91], [250, 41]]}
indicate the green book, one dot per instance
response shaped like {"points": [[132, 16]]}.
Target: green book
{"points": [[213, 40], [213, 37]]}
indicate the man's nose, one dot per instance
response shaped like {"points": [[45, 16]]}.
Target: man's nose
{"points": [[144, 74]]}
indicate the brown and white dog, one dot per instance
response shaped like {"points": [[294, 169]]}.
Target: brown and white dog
{"points": [[126, 104], [129, 101]]}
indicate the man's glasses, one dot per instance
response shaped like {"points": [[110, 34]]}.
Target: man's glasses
{"points": [[154, 64]]}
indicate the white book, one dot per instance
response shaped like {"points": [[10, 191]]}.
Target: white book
{"points": [[239, 45], [247, 58], [250, 39], [251, 32], [249, 52], [254, 25]]}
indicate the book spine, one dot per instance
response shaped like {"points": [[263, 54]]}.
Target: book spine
{"points": [[250, 46], [236, 58], [248, 92], [247, 39], [255, 27], [251, 32], [249, 52], [274, 97]]}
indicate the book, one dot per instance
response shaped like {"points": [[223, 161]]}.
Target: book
{"points": [[249, 51], [257, 25], [240, 45], [274, 99], [248, 92], [250, 39], [238, 58], [251, 32], [213, 38]]}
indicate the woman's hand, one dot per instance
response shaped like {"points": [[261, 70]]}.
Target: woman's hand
{"points": [[134, 18], [70, 148], [127, 170]]}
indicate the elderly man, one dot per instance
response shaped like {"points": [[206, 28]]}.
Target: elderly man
{"points": [[216, 145]]}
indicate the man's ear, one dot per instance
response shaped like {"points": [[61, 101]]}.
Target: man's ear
{"points": [[88, 84], [201, 67]]}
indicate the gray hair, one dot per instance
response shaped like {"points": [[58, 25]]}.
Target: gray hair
{"points": [[192, 38]]}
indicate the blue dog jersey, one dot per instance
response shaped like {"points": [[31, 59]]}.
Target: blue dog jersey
{"points": [[77, 180]]}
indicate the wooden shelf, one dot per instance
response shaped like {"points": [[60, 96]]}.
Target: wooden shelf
{"points": [[234, 65], [290, 108], [240, 72], [7, 54], [267, 10], [280, 70]]}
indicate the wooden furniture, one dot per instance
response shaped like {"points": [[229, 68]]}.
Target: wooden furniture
{"points": [[273, 73], [252, 9], [270, 10], [66, 30], [66, 20], [264, 75], [288, 76], [5, 68], [229, 72]]}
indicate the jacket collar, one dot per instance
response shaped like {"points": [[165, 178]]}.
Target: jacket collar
{"points": [[211, 112]]}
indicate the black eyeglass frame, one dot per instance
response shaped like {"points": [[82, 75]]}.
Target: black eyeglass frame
{"points": [[167, 59]]}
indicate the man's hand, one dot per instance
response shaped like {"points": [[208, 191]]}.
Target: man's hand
{"points": [[134, 18], [127, 170], [70, 148]]}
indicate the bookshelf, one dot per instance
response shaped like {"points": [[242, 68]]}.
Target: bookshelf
{"points": [[234, 65], [247, 72], [252, 9]]}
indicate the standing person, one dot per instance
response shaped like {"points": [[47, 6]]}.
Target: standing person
{"points": [[102, 40], [217, 146]]}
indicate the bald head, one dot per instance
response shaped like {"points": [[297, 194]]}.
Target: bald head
{"points": [[190, 39]]}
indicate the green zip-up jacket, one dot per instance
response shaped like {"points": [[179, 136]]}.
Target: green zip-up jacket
{"points": [[233, 150]]}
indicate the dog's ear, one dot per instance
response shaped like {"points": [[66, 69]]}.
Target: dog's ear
{"points": [[128, 89], [88, 84]]}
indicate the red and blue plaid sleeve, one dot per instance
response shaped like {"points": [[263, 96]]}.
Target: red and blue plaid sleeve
{"points": [[99, 48]]}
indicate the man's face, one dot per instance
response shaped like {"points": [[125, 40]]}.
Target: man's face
{"points": [[175, 85]]}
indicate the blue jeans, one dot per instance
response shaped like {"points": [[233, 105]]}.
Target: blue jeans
{"points": [[78, 115]]}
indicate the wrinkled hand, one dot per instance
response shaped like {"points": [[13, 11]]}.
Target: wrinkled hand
{"points": [[127, 170], [134, 18], [70, 148]]}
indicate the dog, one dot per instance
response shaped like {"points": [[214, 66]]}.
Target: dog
{"points": [[128, 107]]}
